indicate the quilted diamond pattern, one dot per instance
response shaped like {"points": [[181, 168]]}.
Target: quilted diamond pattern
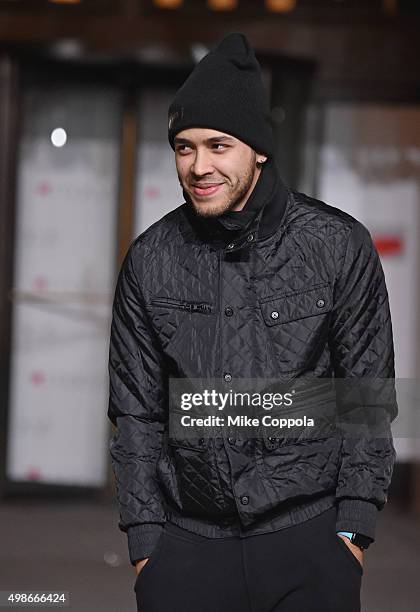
{"points": [[310, 300]]}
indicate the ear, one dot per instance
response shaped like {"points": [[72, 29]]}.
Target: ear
{"points": [[261, 158]]}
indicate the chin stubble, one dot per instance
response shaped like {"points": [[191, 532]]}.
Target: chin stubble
{"points": [[230, 203]]}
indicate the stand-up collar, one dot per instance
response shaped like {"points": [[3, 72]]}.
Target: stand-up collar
{"points": [[241, 219], [259, 218]]}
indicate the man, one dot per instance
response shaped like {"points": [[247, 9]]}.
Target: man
{"points": [[247, 279]]}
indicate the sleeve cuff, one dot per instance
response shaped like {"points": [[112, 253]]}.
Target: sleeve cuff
{"points": [[142, 540], [357, 516]]}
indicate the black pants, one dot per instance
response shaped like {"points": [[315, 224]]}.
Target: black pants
{"points": [[304, 568]]}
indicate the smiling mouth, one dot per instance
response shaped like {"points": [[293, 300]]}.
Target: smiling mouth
{"points": [[206, 190]]}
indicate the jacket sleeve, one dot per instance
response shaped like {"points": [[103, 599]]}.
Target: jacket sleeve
{"points": [[136, 407], [361, 344]]}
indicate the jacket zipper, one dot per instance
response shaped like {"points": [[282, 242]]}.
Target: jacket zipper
{"points": [[202, 307]]}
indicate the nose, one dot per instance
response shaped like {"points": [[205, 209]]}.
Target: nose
{"points": [[202, 164]]}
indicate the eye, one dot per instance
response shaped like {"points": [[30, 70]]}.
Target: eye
{"points": [[219, 144], [182, 148]]}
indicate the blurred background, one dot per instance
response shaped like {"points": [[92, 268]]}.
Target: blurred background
{"points": [[85, 166]]}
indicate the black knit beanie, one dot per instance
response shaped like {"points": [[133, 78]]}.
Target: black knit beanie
{"points": [[225, 92]]}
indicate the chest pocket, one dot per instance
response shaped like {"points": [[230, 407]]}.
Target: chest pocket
{"points": [[169, 315], [297, 325], [183, 305]]}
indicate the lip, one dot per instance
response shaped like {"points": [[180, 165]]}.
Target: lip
{"points": [[206, 190]]}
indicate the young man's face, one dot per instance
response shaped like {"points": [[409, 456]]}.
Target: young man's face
{"points": [[217, 170]]}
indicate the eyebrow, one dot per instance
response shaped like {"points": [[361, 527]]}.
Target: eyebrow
{"points": [[208, 140]]}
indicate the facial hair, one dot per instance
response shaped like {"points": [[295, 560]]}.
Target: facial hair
{"points": [[234, 196]]}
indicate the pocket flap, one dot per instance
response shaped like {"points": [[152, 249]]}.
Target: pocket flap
{"points": [[308, 303]]}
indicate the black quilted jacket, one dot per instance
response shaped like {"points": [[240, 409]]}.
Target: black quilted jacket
{"points": [[194, 300]]}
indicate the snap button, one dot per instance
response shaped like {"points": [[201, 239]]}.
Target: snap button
{"points": [[228, 311], [274, 314], [250, 237], [230, 245], [244, 499], [320, 303], [227, 377]]}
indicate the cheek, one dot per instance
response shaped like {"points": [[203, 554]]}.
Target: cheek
{"points": [[236, 170], [182, 170], [229, 171]]}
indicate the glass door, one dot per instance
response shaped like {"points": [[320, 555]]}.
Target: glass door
{"points": [[64, 272]]}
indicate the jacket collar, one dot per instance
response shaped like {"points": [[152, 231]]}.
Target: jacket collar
{"points": [[240, 220], [263, 213]]}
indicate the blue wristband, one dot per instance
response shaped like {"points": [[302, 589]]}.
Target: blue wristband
{"points": [[348, 534]]}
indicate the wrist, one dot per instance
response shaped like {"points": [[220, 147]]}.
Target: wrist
{"points": [[357, 539]]}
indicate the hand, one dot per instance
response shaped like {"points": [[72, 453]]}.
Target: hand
{"points": [[140, 564], [358, 552]]}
